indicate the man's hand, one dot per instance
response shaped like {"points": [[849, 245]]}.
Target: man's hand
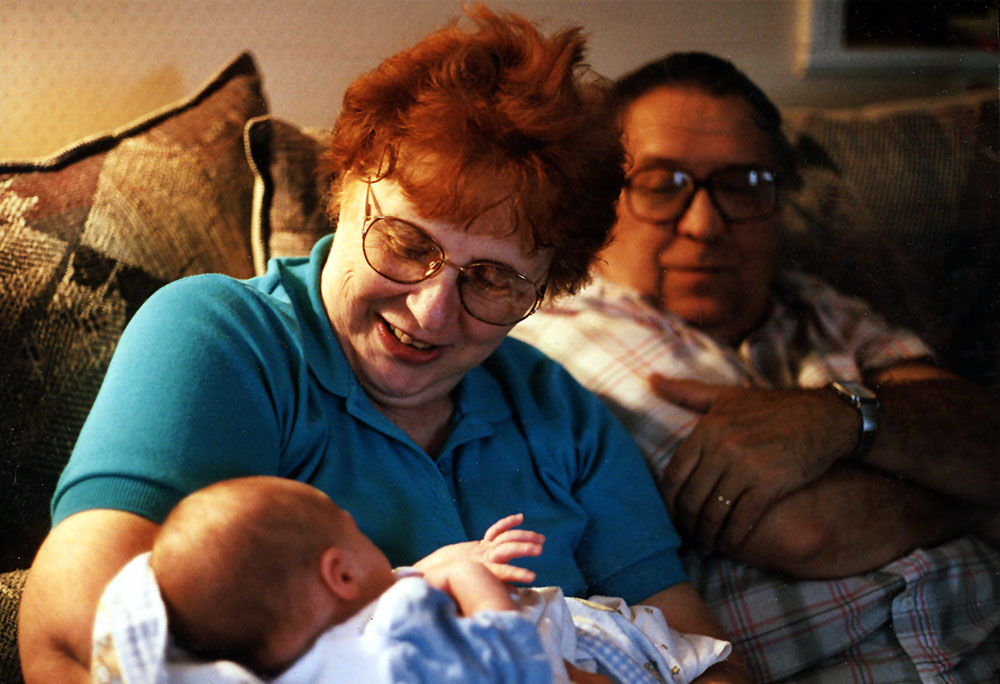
{"points": [[724, 673], [500, 544], [750, 448]]}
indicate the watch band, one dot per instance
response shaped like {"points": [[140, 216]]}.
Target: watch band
{"points": [[866, 403]]}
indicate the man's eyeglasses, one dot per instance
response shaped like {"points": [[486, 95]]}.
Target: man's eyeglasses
{"points": [[660, 194], [402, 252]]}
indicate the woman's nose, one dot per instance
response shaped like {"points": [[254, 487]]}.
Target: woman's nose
{"points": [[435, 302], [702, 221]]}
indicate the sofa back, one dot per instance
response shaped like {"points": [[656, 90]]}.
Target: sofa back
{"points": [[899, 205]]}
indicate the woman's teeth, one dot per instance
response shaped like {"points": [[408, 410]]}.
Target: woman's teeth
{"points": [[407, 340]]}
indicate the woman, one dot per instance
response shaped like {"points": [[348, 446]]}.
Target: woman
{"points": [[476, 172]]}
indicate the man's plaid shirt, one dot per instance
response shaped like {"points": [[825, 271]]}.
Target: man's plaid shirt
{"points": [[931, 616]]}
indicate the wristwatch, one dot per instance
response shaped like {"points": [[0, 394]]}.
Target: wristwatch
{"points": [[866, 404]]}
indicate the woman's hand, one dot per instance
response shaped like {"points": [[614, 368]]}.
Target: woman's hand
{"points": [[578, 676], [725, 672], [686, 612], [501, 544]]}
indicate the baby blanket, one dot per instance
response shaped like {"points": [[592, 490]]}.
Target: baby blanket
{"points": [[413, 633]]}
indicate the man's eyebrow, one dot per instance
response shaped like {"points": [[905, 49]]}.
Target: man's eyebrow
{"points": [[658, 163]]}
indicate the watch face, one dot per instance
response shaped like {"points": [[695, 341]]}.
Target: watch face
{"points": [[855, 390]]}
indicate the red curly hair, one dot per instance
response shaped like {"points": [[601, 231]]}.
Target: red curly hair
{"points": [[467, 119]]}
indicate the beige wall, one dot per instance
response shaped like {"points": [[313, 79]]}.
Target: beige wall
{"points": [[74, 68]]}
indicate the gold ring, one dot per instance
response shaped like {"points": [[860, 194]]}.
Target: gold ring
{"points": [[724, 501]]}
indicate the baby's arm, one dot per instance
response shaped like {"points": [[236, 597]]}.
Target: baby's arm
{"points": [[473, 586], [499, 545]]}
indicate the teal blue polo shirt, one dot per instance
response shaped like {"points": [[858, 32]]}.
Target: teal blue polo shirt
{"points": [[217, 378]]}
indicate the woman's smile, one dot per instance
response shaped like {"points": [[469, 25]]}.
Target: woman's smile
{"points": [[411, 343], [406, 339]]}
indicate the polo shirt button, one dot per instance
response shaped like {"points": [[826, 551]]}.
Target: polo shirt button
{"points": [[444, 467]]}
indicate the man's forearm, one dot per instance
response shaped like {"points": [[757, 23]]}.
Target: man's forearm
{"points": [[849, 521], [941, 433]]}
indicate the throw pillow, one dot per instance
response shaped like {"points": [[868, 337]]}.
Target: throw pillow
{"points": [[85, 237], [289, 198]]}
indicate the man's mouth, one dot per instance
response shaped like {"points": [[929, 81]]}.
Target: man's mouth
{"points": [[406, 339]]}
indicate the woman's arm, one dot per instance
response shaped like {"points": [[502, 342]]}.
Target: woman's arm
{"points": [[686, 612], [76, 561]]}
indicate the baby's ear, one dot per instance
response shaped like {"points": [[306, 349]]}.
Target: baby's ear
{"points": [[339, 574]]}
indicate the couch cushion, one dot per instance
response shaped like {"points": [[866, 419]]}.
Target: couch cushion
{"points": [[11, 586], [85, 237], [900, 204], [289, 201]]}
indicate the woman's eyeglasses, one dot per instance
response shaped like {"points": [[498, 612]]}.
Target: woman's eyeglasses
{"points": [[402, 252], [661, 194]]}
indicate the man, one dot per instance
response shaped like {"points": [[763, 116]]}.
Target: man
{"points": [[723, 368]]}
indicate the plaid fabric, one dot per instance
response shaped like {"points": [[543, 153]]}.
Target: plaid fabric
{"points": [[637, 644], [610, 339], [129, 640], [614, 661], [931, 616]]}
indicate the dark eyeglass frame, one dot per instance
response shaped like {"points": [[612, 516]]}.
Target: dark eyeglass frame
{"points": [[435, 265], [709, 183]]}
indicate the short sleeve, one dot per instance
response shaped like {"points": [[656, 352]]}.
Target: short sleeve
{"points": [[196, 392]]}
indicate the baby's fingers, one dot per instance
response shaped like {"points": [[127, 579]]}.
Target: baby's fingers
{"points": [[519, 536], [502, 525], [511, 573], [508, 550]]}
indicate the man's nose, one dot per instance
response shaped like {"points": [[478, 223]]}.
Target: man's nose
{"points": [[702, 221], [435, 302]]}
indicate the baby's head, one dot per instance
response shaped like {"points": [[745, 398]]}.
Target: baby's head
{"points": [[254, 569]]}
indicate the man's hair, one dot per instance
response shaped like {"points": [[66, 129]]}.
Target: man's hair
{"points": [[716, 77], [499, 114]]}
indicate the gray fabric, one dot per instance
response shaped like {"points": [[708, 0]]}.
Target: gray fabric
{"points": [[900, 206]]}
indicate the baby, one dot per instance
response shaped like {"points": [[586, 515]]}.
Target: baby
{"points": [[264, 577]]}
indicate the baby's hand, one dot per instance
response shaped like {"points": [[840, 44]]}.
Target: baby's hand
{"points": [[501, 544]]}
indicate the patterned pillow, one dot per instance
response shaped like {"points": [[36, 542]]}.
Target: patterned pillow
{"points": [[85, 237], [289, 195]]}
